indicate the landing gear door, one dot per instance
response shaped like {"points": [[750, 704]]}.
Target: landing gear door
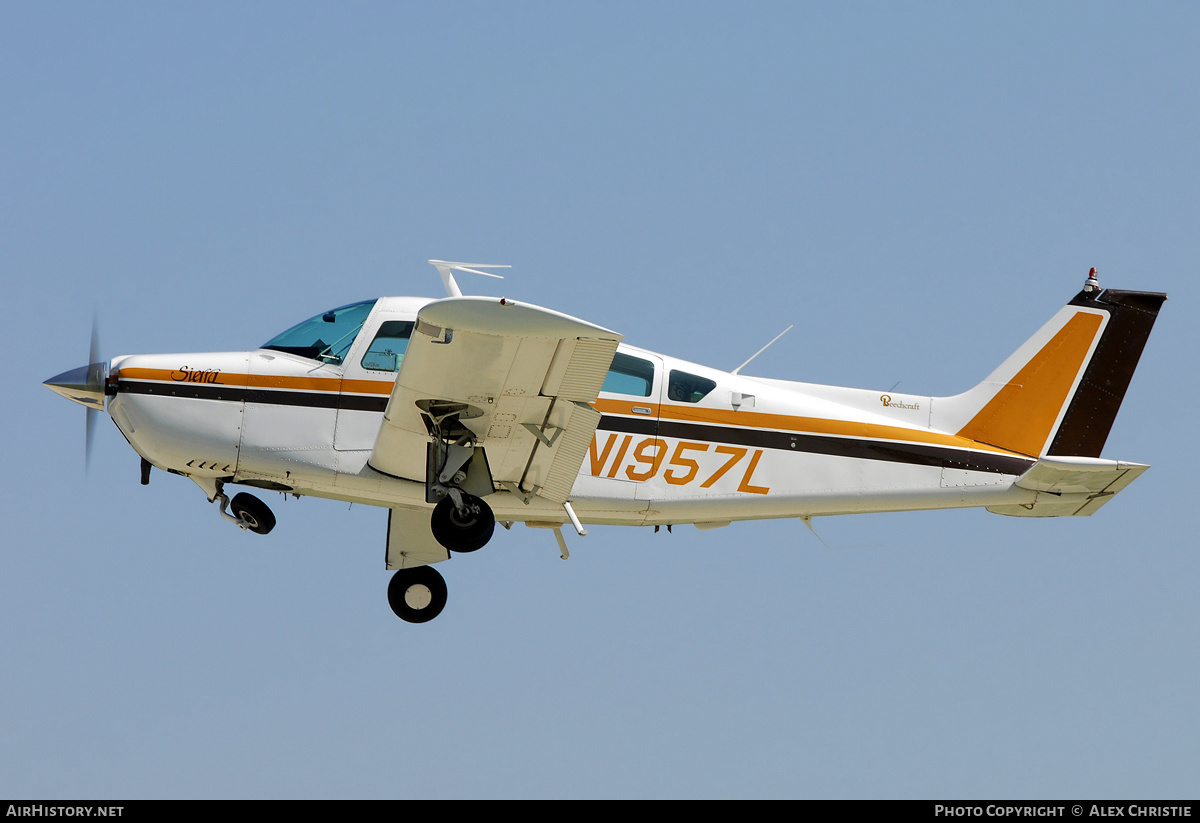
{"points": [[410, 542]]}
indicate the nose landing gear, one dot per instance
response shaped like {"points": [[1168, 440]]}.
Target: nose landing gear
{"points": [[252, 513], [249, 513]]}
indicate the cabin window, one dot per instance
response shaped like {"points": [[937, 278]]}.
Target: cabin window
{"points": [[688, 388], [629, 375], [387, 349], [326, 337]]}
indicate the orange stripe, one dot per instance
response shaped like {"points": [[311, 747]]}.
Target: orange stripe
{"points": [[368, 386], [1023, 412], [270, 381], [783, 422]]}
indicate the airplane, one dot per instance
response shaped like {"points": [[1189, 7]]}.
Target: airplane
{"points": [[461, 412]]}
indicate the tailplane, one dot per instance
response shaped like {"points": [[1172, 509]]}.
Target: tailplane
{"points": [[1071, 486], [1058, 394]]}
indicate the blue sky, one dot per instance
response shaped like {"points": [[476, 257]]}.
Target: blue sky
{"points": [[917, 187]]}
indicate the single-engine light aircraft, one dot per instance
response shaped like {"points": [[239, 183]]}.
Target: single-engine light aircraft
{"points": [[459, 412]]}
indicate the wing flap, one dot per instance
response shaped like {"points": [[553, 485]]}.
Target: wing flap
{"points": [[579, 369], [563, 465], [518, 378]]}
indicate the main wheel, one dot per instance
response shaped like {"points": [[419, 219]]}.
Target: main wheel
{"points": [[417, 595], [253, 512], [465, 530]]}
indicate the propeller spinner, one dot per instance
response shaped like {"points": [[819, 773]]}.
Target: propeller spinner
{"points": [[85, 385]]}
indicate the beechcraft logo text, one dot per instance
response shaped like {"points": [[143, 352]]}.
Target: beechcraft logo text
{"points": [[887, 401]]}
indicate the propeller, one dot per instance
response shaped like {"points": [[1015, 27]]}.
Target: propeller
{"points": [[85, 385], [97, 372]]}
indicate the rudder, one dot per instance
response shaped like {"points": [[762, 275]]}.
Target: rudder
{"points": [[1093, 408]]}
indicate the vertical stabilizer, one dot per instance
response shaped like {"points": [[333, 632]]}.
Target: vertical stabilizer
{"points": [[1059, 393]]}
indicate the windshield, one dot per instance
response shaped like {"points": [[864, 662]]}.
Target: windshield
{"points": [[326, 337]]}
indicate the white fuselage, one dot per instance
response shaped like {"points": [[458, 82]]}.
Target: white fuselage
{"points": [[686, 444]]}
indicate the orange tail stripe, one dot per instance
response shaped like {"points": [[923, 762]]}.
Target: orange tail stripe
{"points": [[1023, 412]]}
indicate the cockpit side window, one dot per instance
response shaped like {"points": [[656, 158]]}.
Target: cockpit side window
{"points": [[387, 349], [688, 388], [629, 375], [326, 337]]}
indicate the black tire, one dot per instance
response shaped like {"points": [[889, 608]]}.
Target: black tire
{"points": [[463, 531], [417, 595], [253, 512]]}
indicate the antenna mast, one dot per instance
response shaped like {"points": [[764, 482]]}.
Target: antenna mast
{"points": [[445, 268], [763, 349]]}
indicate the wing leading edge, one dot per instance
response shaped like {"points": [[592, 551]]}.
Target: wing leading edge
{"points": [[515, 379]]}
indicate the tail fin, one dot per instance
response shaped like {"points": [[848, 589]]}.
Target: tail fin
{"points": [[1059, 393]]}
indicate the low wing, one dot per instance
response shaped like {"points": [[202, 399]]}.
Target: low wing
{"points": [[1071, 486], [519, 378]]}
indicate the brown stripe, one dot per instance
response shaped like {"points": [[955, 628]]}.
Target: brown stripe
{"points": [[918, 454], [241, 394], [787, 422], [1093, 409], [269, 381]]}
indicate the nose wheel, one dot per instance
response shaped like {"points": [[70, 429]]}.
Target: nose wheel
{"points": [[245, 511], [254, 513], [417, 595]]}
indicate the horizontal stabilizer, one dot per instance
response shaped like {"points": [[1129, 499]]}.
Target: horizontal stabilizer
{"points": [[1071, 486]]}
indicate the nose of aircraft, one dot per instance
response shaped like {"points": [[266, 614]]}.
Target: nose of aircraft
{"points": [[83, 385]]}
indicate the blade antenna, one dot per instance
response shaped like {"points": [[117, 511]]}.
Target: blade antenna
{"points": [[446, 270], [807, 519], [763, 349]]}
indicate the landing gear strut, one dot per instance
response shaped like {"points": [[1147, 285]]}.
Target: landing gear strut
{"points": [[457, 477], [417, 595]]}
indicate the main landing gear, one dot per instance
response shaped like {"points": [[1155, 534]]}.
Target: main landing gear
{"points": [[457, 477], [462, 525], [417, 595], [461, 522]]}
